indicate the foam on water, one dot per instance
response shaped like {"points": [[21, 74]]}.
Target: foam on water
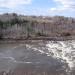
{"points": [[64, 50]]}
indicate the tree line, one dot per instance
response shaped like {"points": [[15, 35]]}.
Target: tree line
{"points": [[40, 26]]}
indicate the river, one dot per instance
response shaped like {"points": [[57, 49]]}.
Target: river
{"points": [[38, 58]]}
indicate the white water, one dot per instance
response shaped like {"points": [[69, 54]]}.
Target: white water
{"points": [[64, 50]]}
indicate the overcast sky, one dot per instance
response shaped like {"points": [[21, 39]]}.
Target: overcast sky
{"points": [[39, 7]]}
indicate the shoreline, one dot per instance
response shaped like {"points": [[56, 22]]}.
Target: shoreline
{"points": [[10, 40]]}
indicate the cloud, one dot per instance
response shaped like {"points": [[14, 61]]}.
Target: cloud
{"points": [[13, 3], [66, 3], [63, 6]]}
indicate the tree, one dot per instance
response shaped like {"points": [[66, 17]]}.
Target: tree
{"points": [[14, 14], [1, 27]]}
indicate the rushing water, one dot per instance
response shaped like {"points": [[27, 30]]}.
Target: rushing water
{"points": [[51, 56]]}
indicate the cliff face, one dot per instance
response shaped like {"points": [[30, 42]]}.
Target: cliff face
{"points": [[20, 27]]}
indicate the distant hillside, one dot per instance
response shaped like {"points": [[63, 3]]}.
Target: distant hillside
{"points": [[13, 26]]}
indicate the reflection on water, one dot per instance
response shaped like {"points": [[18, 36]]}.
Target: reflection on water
{"points": [[38, 58]]}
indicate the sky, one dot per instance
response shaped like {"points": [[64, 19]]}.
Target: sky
{"points": [[39, 7]]}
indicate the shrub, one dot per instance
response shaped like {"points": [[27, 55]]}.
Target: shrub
{"points": [[40, 34], [66, 34], [1, 36]]}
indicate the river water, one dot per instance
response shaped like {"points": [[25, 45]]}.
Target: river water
{"points": [[38, 58]]}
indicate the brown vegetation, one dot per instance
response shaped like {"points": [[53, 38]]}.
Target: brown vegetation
{"points": [[21, 27]]}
